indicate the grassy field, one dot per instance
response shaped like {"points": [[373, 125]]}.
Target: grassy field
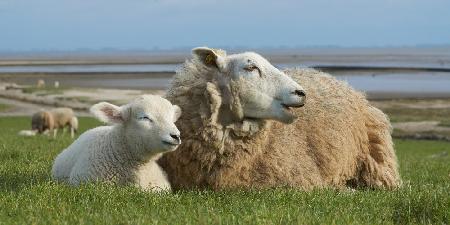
{"points": [[4, 107], [28, 196]]}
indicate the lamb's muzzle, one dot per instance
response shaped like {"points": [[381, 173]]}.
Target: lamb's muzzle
{"points": [[176, 137]]}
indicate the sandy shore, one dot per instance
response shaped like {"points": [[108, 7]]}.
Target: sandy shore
{"points": [[156, 81], [139, 81]]}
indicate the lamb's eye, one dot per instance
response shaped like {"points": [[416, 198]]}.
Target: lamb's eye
{"points": [[146, 118]]}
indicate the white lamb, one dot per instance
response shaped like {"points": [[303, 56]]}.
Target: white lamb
{"points": [[126, 152]]}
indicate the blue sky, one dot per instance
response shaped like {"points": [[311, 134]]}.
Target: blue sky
{"points": [[146, 24]]}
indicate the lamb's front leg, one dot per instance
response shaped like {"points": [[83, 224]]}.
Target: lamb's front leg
{"points": [[152, 177]]}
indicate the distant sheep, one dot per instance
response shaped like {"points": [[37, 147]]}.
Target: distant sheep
{"points": [[42, 121], [52, 120], [232, 135], [64, 117], [125, 152], [40, 83]]}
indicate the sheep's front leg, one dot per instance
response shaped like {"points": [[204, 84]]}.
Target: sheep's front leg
{"points": [[72, 132], [55, 131]]}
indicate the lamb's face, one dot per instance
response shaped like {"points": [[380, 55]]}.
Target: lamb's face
{"points": [[152, 123], [148, 121], [264, 91]]}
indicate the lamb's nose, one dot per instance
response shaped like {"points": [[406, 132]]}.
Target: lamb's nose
{"points": [[300, 93], [175, 136]]}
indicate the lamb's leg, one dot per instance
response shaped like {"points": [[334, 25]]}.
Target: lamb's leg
{"points": [[378, 167], [55, 131]]}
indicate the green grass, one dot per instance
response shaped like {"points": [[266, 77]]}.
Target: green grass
{"points": [[43, 91], [4, 107], [445, 123], [82, 99], [29, 196], [398, 114]]}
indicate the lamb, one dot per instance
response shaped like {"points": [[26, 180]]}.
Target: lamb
{"points": [[242, 127], [125, 152]]}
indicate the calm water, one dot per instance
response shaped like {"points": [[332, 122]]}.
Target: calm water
{"points": [[433, 84]]}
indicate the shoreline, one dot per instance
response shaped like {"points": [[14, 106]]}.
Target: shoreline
{"points": [[161, 80]]}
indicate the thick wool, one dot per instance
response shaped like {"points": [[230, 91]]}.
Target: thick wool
{"points": [[100, 154], [339, 140], [126, 152]]}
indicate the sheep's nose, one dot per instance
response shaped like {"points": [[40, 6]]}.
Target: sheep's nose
{"points": [[300, 93], [175, 136]]}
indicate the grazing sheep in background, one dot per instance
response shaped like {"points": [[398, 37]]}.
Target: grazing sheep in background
{"points": [[125, 152], [56, 84], [40, 83], [64, 117], [232, 135], [42, 121]]}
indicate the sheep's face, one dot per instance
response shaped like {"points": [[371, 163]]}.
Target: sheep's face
{"points": [[149, 122], [263, 91]]}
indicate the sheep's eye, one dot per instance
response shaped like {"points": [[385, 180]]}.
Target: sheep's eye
{"points": [[252, 68]]}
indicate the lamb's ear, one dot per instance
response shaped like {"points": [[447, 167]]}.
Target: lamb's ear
{"points": [[211, 57], [107, 113], [177, 113]]}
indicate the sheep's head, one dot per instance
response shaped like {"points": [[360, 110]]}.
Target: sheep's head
{"points": [[148, 121], [261, 90]]}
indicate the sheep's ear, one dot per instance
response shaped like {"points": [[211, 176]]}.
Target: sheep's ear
{"points": [[177, 114], [211, 57], [107, 113]]}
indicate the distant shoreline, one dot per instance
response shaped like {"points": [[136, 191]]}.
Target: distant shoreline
{"points": [[326, 68]]}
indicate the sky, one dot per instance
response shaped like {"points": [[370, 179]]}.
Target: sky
{"points": [[167, 24]]}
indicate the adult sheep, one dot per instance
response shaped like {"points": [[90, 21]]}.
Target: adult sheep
{"points": [[42, 121], [125, 152], [239, 128], [53, 119], [64, 117]]}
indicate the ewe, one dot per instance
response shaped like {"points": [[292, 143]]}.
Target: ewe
{"points": [[125, 152], [232, 135]]}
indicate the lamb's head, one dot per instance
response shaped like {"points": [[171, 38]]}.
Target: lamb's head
{"points": [[255, 86], [148, 122]]}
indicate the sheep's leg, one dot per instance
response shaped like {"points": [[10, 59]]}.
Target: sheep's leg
{"points": [[72, 132], [64, 131], [378, 167], [55, 131]]}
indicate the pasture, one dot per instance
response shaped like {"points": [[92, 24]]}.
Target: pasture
{"points": [[29, 196]]}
